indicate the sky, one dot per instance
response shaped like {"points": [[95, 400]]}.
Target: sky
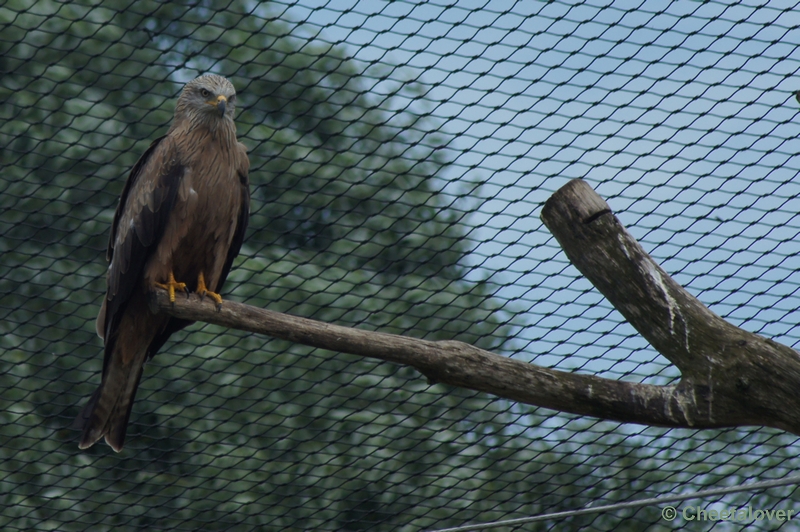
{"points": [[681, 115]]}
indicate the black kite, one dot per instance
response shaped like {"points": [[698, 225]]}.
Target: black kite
{"points": [[179, 225]]}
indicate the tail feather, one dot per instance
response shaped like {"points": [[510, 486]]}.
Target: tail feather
{"points": [[118, 421], [86, 412], [108, 409], [132, 335]]}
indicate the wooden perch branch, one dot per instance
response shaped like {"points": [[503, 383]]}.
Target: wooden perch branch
{"points": [[448, 362], [730, 377]]}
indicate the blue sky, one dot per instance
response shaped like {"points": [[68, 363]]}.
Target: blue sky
{"points": [[680, 114]]}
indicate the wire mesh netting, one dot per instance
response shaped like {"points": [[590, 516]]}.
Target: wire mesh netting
{"points": [[400, 155]]}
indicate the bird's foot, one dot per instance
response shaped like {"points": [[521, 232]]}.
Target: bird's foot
{"points": [[203, 291], [171, 286]]}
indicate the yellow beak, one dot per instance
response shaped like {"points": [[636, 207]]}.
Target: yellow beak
{"points": [[222, 103]]}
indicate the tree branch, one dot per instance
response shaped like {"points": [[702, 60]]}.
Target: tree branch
{"points": [[730, 377], [449, 362]]}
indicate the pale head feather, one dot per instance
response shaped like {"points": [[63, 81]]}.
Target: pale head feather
{"points": [[198, 105], [200, 95]]}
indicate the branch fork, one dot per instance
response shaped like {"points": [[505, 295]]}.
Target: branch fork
{"points": [[729, 377]]}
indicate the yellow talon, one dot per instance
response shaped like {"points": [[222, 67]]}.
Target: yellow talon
{"points": [[171, 285], [204, 291]]}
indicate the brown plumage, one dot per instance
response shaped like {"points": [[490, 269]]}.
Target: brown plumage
{"points": [[181, 219]]}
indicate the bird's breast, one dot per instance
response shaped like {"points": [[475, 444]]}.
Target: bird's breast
{"points": [[201, 225]]}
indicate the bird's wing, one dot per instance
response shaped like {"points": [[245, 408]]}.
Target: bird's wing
{"points": [[139, 223], [126, 190], [142, 214], [243, 171]]}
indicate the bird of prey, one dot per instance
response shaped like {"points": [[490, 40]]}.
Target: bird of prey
{"points": [[179, 225]]}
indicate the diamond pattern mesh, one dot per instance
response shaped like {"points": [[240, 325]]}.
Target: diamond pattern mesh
{"points": [[401, 153]]}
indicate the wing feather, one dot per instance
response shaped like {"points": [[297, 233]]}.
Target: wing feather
{"points": [[147, 200], [123, 200], [139, 221], [244, 215]]}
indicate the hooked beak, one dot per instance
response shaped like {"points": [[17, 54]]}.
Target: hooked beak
{"points": [[222, 103]]}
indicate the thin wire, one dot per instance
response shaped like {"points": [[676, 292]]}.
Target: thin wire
{"points": [[795, 479]]}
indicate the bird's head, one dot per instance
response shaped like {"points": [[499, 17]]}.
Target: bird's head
{"points": [[207, 99]]}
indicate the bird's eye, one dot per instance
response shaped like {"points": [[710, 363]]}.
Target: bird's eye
{"points": [[205, 93]]}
